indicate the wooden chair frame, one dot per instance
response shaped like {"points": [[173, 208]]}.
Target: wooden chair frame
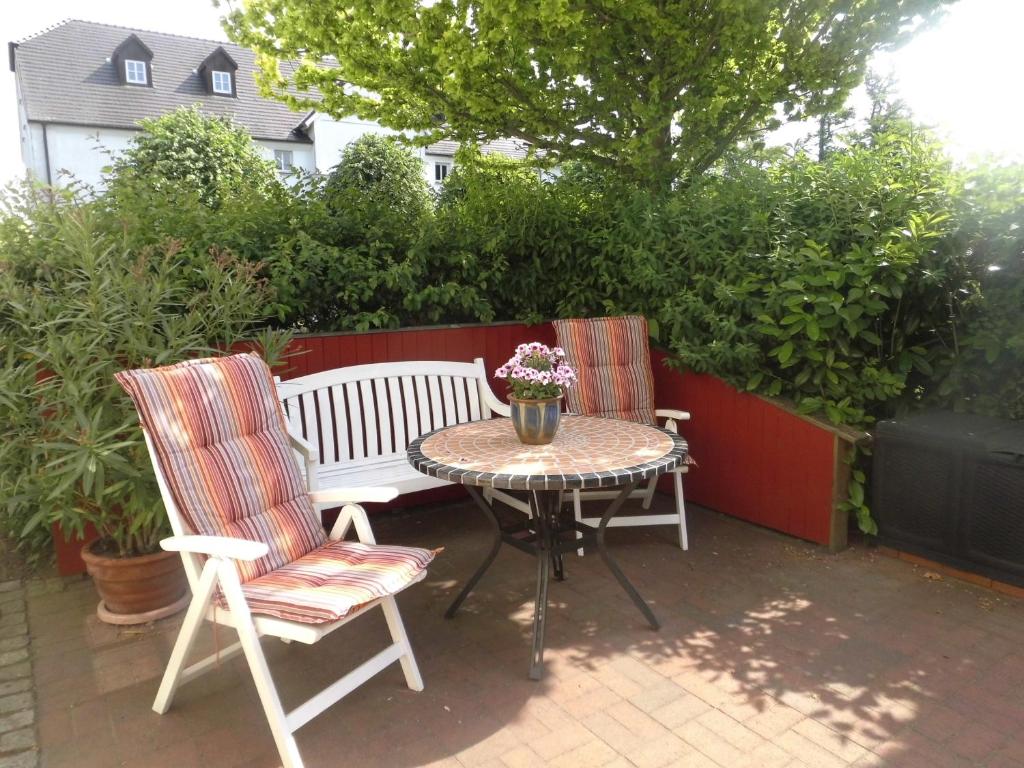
{"points": [[678, 518], [221, 554]]}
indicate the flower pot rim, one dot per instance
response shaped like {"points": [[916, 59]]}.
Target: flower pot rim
{"points": [[536, 399], [89, 556]]}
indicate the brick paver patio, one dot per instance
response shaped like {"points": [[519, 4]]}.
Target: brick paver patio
{"points": [[772, 653]]}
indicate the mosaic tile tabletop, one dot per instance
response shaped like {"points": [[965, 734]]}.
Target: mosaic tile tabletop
{"points": [[587, 452]]}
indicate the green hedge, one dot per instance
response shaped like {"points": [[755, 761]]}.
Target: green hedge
{"points": [[874, 280], [877, 280]]}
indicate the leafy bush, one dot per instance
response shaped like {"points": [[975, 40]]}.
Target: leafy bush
{"points": [[378, 183], [358, 253], [185, 150], [81, 305], [986, 375]]}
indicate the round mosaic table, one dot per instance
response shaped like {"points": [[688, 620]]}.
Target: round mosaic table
{"points": [[587, 452]]}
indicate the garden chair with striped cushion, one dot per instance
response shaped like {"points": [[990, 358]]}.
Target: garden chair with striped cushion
{"points": [[248, 531], [613, 365]]}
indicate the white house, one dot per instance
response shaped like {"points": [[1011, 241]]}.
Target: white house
{"points": [[83, 87]]}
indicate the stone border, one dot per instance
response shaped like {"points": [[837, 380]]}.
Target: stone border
{"points": [[18, 742]]}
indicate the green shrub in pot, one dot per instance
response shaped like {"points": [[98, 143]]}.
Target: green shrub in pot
{"points": [[80, 305]]}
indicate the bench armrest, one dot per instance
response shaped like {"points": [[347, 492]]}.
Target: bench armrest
{"points": [[223, 547], [490, 400], [672, 413], [302, 446], [354, 495]]}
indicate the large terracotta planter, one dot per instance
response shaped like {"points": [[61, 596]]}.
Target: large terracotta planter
{"points": [[134, 590], [536, 421]]}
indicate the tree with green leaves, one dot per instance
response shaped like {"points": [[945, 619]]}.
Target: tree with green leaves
{"points": [[187, 151], [657, 89]]}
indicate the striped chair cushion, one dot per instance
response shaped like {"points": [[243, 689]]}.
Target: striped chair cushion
{"points": [[220, 436], [330, 582], [613, 364]]}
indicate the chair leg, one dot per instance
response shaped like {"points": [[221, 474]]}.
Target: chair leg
{"points": [[408, 661], [652, 486], [250, 640], [677, 479], [577, 511], [186, 638]]}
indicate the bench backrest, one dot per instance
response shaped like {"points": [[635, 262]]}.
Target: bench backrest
{"points": [[365, 411]]}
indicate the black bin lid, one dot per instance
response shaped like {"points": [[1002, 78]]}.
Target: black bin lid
{"points": [[964, 431]]}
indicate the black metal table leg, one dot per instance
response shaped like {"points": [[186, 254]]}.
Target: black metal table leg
{"points": [[554, 505], [640, 603], [547, 547], [495, 546], [541, 502], [540, 615]]}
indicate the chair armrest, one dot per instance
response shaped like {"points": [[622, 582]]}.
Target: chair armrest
{"points": [[353, 514], [355, 495], [672, 413], [216, 546]]}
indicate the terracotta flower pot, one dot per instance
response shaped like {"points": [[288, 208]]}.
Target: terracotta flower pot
{"points": [[134, 590], [536, 421]]}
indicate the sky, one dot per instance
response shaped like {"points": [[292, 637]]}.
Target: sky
{"points": [[961, 76]]}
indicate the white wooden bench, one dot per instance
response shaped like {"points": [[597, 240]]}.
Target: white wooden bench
{"points": [[356, 422]]}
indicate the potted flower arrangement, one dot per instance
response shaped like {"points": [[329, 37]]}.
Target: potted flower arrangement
{"points": [[537, 377]]}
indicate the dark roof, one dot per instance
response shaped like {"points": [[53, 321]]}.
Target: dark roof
{"points": [[511, 147], [65, 77]]}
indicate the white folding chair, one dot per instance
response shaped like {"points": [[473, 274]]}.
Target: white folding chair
{"points": [[218, 565], [613, 364]]}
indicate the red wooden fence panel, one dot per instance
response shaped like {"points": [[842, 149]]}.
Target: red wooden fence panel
{"points": [[756, 461]]}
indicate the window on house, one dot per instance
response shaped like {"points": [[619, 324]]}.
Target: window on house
{"points": [[222, 82], [135, 71], [441, 171], [283, 160]]}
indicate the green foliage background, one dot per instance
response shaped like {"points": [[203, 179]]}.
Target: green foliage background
{"points": [[81, 302], [876, 280]]}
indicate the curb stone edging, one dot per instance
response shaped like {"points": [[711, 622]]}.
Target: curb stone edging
{"points": [[19, 746]]}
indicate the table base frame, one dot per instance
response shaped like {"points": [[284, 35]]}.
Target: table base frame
{"points": [[541, 536]]}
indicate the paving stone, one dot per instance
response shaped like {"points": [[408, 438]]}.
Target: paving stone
{"points": [[29, 759], [15, 702], [23, 738], [12, 621], [16, 671], [15, 720], [15, 686], [17, 629], [14, 643]]}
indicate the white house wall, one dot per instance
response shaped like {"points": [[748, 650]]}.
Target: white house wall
{"points": [[74, 151], [82, 152], [303, 155], [330, 137]]}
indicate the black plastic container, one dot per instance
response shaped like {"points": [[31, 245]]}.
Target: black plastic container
{"points": [[950, 487]]}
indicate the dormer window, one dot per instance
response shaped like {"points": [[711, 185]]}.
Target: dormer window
{"points": [[135, 72], [222, 83], [133, 62], [218, 73]]}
